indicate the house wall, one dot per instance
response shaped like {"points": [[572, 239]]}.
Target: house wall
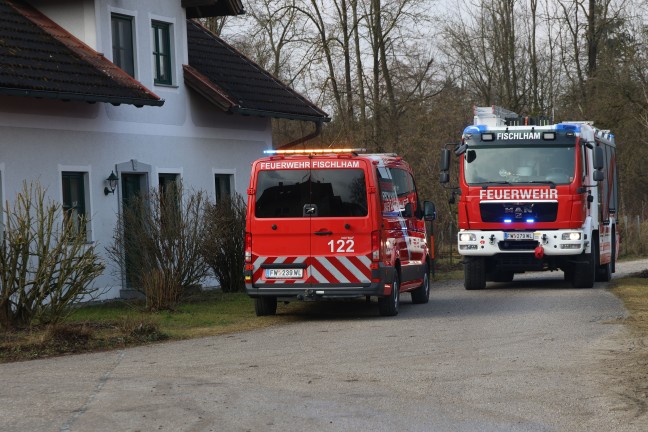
{"points": [[77, 17], [39, 139]]}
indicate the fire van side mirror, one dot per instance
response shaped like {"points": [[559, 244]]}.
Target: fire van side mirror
{"points": [[444, 176], [598, 175], [429, 211], [407, 211]]}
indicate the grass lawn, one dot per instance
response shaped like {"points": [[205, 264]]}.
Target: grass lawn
{"points": [[118, 324]]}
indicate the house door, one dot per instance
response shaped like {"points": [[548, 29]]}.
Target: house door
{"points": [[133, 186]]}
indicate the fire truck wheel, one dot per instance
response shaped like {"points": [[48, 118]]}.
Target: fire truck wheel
{"points": [[613, 250], [603, 271], [474, 273], [388, 306], [422, 294], [584, 272], [265, 306]]}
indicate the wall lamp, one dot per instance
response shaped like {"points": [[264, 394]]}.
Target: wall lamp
{"points": [[112, 183]]}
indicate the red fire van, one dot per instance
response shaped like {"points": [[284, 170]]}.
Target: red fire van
{"points": [[329, 224]]}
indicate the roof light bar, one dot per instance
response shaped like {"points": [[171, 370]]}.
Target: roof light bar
{"points": [[315, 151]]}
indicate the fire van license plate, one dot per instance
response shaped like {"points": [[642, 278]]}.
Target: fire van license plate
{"points": [[284, 273], [518, 236]]}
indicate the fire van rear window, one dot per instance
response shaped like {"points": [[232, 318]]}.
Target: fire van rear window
{"points": [[333, 192]]}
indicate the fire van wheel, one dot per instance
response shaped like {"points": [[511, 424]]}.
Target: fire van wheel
{"points": [[474, 273], [265, 306], [388, 306], [421, 294]]}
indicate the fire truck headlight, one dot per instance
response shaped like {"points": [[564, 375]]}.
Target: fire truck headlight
{"points": [[571, 236], [466, 237]]}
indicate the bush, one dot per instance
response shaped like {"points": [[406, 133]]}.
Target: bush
{"points": [[157, 241], [224, 244], [46, 264]]}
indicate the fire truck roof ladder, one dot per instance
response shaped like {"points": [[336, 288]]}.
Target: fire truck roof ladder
{"points": [[493, 116]]}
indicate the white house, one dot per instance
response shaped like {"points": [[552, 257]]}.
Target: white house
{"points": [[136, 88]]}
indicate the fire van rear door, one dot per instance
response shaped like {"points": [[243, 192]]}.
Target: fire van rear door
{"points": [[340, 224], [281, 228], [311, 228]]}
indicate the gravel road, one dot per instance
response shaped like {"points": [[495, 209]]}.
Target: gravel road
{"points": [[531, 355]]}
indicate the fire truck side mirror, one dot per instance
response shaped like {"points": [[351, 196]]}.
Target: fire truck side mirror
{"points": [[429, 211], [445, 160], [598, 162], [444, 176], [598, 158]]}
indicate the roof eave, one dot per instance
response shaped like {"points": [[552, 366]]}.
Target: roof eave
{"points": [[276, 114], [212, 8], [84, 97], [206, 88]]}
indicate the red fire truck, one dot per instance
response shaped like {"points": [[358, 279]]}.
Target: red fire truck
{"points": [[330, 224], [535, 196]]}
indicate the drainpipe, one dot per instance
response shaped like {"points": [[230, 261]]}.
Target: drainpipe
{"points": [[318, 130]]}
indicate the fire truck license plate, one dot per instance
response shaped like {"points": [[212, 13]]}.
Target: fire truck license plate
{"points": [[284, 273], [518, 236]]}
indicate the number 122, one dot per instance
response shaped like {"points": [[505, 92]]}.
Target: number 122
{"points": [[343, 246]]}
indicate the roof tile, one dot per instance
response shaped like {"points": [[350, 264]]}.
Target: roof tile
{"points": [[39, 58], [252, 89]]}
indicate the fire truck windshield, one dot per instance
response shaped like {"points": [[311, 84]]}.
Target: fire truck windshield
{"points": [[509, 164]]}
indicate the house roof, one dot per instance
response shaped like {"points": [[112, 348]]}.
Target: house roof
{"points": [[39, 58], [238, 85], [211, 8]]}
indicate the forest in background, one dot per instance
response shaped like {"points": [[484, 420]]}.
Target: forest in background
{"points": [[403, 75]]}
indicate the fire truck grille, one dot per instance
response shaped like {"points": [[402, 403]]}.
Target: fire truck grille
{"points": [[518, 212], [517, 245]]}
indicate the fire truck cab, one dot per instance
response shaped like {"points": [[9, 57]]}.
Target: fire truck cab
{"points": [[535, 196], [332, 224]]}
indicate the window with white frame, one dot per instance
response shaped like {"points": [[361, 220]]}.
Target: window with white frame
{"points": [[161, 39], [223, 185], [123, 42], [74, 202]]}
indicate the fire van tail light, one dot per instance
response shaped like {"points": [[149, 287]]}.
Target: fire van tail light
{"points": [[248, 247], [375, 246]]}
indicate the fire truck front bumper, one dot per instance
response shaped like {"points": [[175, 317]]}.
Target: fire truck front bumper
{"points": [[553, 242]]}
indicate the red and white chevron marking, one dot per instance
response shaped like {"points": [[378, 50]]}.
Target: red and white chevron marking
{"points": [[320, 270]]}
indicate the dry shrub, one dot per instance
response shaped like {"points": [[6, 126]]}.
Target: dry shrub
{"points": [[46, 264], [157, 242], [62, 334], [223, 249], [141, 329], [160, 290]]}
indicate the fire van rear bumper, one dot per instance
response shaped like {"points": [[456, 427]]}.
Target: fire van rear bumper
{"points": [[380, 285]]}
